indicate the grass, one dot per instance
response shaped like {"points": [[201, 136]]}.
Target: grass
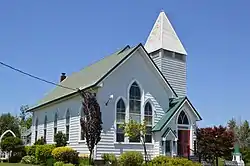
{"points": [[14, 164]]}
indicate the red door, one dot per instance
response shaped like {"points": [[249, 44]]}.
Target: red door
{"points": [[184, 140]]}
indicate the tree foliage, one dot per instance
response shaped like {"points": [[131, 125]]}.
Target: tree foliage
{"points": [[214, 142], [25, 117], [9, 122], [60, 139], [135, 130], [241, 132], [11, 144], [91, 123]]}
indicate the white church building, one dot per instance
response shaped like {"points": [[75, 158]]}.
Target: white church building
{"points": [[141, 82]]}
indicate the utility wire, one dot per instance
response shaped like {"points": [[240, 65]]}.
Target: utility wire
{"points": [[35, 77]]}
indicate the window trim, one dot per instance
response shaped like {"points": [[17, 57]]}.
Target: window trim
{"points": [[36, 129], [188, 117], [45, 125], [182, 117], [115, 122], [55, 126], [141, 103], [67, 125], [80, 127], [152, 116]]}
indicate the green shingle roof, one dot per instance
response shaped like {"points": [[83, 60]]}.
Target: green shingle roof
{"points": [[87, 77], [167, 131], [174, 104]]}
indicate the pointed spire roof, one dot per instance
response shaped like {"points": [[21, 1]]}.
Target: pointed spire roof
{"points": [[163, 36]]}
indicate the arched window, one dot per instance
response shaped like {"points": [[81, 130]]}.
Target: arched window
{"points": [[67, 124], [55, 125], [182, 119], [36, 129], [135, 106], [45, 128], [82, 132], [120, 119], [148, 119]]}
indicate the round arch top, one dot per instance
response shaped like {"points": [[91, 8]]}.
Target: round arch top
{"points": [[7, 131]]}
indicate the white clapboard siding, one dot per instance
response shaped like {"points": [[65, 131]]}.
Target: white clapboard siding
{"points": [[175, 72], [121, 148], [157, 148], [74, 129], [106, 145], [50, 133], [158, 111], [157, 60]]}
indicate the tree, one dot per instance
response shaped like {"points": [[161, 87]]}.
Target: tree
{"points": [[91, 123], [25, 117], [60, 139], [9, 122], [241, 132], [135, 130], [11, 145], [232, 124], [214, 142]]}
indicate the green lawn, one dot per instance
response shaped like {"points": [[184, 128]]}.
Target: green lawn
{"points": [[13, 164]]}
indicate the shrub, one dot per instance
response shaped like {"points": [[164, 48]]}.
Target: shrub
{"points": [[50, 161], [59, 163], [83, 161], [109, 159], [30, 150], [28, 160], [16, 157], [66, 155], [165, 160], [131, 159], [245, 154], [43, 152], [60, 139], [40, 141], [68, 164], [13, 144]]}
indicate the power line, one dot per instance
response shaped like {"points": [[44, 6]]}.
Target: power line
{"points": [[35, 77]]}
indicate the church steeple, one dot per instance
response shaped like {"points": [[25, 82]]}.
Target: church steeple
{"points": [[168, 53], [163, 36]]}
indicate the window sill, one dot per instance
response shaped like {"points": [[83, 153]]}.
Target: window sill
{"points": [[131, 143], [81, 141]]}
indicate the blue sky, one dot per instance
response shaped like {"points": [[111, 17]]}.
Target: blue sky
{"points": [[46, 38]]}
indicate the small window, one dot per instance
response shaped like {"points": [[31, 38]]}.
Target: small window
{"points": [[135, 106], [148, 136], [182, 119], [36, 129], [168, 54], [82, 131], [45, 128], [168, 146], [120, 119], [148, 118], [55, 125], [67, 124], [178, 56]]}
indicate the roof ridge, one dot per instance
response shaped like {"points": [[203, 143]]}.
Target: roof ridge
{"points": [[116, 52], [125, 48]]}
